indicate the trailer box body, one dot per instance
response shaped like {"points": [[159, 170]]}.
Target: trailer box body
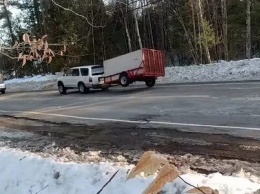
{"points": [[139, 65], [123, 63]]}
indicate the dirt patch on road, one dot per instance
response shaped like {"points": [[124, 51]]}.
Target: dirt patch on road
{"points": [[201, 152]]}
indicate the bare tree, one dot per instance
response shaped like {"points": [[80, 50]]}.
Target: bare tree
{"points": [[216, 27], [187, 35], [8, 21], [92, 32], [199, 33], [44, 6], [248, 29], [224, 27], [36, 7], [136, 24], [129, 41], [194, 30], [201, 23], [75, 13], [150, 26]]}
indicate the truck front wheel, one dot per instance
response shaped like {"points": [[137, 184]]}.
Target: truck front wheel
{"points": [[62, 89], [124, 80], [150, 82]]}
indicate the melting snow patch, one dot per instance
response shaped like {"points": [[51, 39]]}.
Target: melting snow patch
{"points": [[24, 172]]}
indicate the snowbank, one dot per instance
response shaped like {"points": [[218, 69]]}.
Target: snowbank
{"points": [[24, 172], [37, 78], [35, 83], [222, 71]]}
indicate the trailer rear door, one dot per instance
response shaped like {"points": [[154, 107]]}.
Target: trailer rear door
{"points": [[153, 63]]}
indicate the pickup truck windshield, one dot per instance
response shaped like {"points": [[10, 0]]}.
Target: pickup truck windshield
{"points": [[98, 70]]}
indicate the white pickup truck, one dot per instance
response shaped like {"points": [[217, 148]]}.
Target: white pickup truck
{"points": [[82, 78]]}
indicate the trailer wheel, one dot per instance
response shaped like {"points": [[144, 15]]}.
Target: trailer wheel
{"points": [[150, 82], [124, 80]]}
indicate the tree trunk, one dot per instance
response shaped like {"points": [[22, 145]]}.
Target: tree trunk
{"points": [[161, 24], [224, 27], [137, 27], [187, 35], [208, 11], [8, 20], [37, 16], [194, 30], [211, 13], [248, 29], [205, 44], [150, 26], [199, 35], [128, 36], [129, 42], [216, 27], [188, 39], [44, 4], [103, 43], [93, 37]]}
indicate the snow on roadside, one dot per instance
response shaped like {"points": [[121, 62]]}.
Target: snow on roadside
{"points": [[34, 83], [222, 71], [24, 172], [37, 78]]}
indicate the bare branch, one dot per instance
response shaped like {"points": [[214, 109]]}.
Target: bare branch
{"points": [[192, 185], [82, 16], [108, 182], [7, 48], [42, 189], [10, 57]]}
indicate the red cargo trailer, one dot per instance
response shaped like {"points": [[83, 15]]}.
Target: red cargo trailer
{"points": [[142, 65]]}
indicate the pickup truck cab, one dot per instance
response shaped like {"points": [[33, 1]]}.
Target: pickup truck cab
{"points": [[82, 78]]}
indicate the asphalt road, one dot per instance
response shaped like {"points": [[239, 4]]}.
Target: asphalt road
{"points": [[231, 108]]}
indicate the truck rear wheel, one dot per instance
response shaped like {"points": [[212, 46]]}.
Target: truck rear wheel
{"points": [[82, 88], [124, 80], [150, 82]]}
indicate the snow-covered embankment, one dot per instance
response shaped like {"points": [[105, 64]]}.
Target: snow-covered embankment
{"points": [[36, 83], [24, 172], [215, 72]]}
